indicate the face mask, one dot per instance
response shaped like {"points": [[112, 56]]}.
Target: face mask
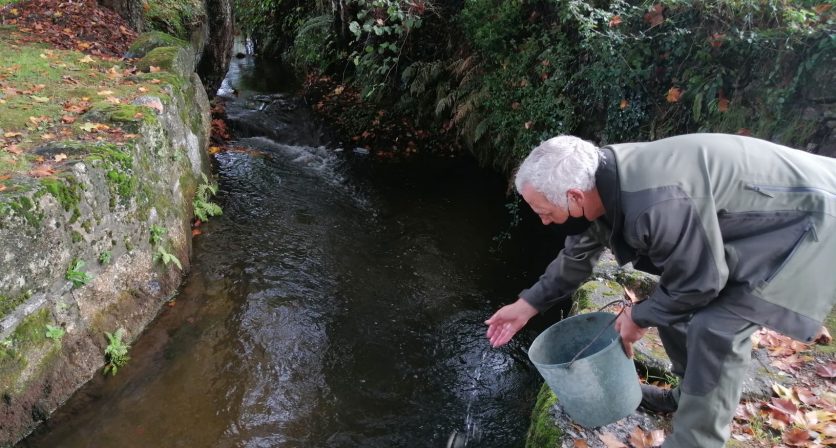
{"points": [[574, 226]]}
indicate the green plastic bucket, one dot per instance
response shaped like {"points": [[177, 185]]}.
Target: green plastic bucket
{"points": [[601, 386]]}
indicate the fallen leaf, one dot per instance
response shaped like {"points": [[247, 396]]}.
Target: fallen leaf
{"points": [[113, 100], [615, 21], [782, 392], [2, 187], [827, 370], [12, 134], [40, 99], [624, 104], [610, 441], [142, 89], [578, 443], [153, 69], [14, 149], [105, 93], [86, 60], [47, 136], [673, 95], [783, 405], [196, 232], [42, 171], [796, 437], [528, 124], [60, 157], [68, 119]]}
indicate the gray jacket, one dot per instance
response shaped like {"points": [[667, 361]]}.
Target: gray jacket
{"points": [[728, 220]]}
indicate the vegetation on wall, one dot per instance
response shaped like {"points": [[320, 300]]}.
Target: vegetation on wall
{"points": [[503, 75]]}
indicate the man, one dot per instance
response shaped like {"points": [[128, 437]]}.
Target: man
{"points": [[740, 230]]}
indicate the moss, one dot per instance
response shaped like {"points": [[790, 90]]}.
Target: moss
{"points": [[162, 57], [9, 303], [76, 237], [583, 295], [30, 333], [117, 163], [542, 432], [32, 330], [151, 40], [67, 191], [174, 17], [24, 207], [641, 283]]}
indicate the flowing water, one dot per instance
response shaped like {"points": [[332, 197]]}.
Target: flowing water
{"points": [[336, 303]]}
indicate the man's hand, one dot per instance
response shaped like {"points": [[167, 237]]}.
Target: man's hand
{"points": [[629, 331], [506, 322]]}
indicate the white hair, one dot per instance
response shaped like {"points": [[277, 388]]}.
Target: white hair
{"points": [[558, 165]]}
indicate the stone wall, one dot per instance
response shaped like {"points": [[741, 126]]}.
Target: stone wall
{"points": [[102, 219]]}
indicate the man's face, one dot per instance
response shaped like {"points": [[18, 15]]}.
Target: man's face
{"points": [[548, 212]]}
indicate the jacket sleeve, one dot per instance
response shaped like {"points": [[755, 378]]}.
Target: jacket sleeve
{"points": [[566, 273], [675, 240]]}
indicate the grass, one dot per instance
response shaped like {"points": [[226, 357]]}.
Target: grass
{"points": [[44, 93]]}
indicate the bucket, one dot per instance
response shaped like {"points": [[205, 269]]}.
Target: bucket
{"points": [[601, 386]]}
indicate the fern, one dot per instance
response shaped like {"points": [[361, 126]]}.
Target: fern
{"points": [[166, 257]]}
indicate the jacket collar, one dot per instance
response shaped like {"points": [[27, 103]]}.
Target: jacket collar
{"points": [[609, 188]]}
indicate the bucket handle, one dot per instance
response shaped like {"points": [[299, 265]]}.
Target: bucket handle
{"points": [[625, 303]]}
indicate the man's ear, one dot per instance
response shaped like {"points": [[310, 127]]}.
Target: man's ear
{"points": [[575, 195]]}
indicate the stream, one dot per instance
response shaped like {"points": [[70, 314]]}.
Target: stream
{"points": [[338, 302]]}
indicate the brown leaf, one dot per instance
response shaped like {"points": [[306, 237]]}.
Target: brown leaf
{"points": [[624, 104], [14, 149], [68, 119], [827, 370], [673, 95], [153, 69], [723, 103], [656, 15], [196, 232], [783, 405], [2, 187], [12, 134], [657, 437], [42, 171], [796, 437], [637, 438], [60, 157], [610, 441], [615, 21]]}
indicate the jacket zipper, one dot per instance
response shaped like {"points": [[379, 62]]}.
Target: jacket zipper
{"points": [[795, 247], [767, 190]]}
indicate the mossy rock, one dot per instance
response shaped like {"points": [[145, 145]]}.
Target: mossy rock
{"points": [[542, 432], [128, 116], [177, 60], [151, 40]]}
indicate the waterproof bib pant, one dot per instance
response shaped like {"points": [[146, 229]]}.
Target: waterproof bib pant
{"points": [[713, 350]]}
